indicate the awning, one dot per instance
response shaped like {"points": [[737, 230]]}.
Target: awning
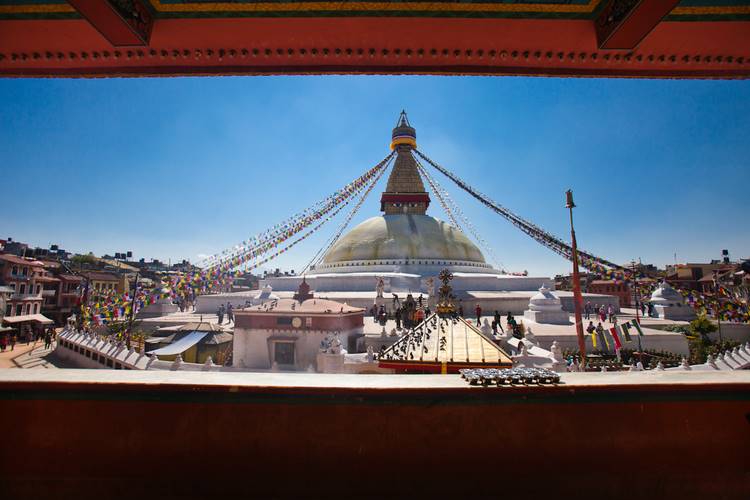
{"points": [[181, 345], [39, 318]]}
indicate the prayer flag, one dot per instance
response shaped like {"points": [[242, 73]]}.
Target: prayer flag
{"points": [[637, 327], [593, 339], [603, 339], [613, 331], [626, 332]]}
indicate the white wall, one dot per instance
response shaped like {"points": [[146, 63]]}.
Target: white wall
{"points": [[253, 348]]}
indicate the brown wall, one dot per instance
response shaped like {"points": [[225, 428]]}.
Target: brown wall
{"points": [[99, 440]]}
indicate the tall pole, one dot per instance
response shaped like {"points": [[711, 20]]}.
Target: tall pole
{"points": [[636, 295], [637, 311], [577, 298], [718, 303], [132, 310]]}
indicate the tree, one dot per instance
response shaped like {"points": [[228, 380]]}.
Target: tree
{"points": [[698, 340]]}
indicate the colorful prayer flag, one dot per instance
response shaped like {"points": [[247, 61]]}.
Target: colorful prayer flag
{"points": [[626, 332], [637, 327], [613, 331]]}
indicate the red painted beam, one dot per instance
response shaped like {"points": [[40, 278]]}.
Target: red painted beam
{"points": [[123, 24], [234, 46], [624, 23]]}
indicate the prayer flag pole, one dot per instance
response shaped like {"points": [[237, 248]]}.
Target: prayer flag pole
{"points": [[577, 298]]}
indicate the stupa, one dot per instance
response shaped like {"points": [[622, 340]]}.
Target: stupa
{"points": [[406, 249], [545, 307], [670, 304]]}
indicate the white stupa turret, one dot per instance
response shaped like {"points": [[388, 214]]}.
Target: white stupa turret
{"points": [[670, 304], [545, 307]]}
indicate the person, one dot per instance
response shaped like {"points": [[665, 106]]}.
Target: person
{"points": [[643, 309], [382, 316], [374, 313], [47, 340], [587, 310], [602, 314], [498, 320], [600, 334], [610, 312], [461, 310], [230, 312], [220, 313], [397, 317], [591, 328], [3, 342], [494, 327], [13, 341], [478, 311], [418, 316]]}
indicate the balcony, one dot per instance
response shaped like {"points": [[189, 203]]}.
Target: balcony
{"points": [[25, 296], [48, 293]]}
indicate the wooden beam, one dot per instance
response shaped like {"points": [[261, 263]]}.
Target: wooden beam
{"points": [[124, 23], [622, 24]]}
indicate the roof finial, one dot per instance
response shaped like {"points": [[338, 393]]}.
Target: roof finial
{"points": [[403, 120]]}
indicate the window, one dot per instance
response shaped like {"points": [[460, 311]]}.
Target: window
{"points": [[22, 290], [38, 289], [88, 353], [36, 308], [109, 362], [283, 353], [28, 308], [308, 322], [118, 366], [14, 271], [284, 320], [25, 271], [9, 310], [95, 356]]}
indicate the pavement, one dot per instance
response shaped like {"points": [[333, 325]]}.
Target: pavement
{"points": [[33, 355]]}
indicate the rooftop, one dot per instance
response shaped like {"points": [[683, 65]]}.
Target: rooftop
{"points": [[14, 259], [309, 306]]}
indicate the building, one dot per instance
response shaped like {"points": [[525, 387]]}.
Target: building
{"points": [[23, 276], [619, 289], [23, 306], [193, 342], [693, 276], [105, 282], [288, 334]]}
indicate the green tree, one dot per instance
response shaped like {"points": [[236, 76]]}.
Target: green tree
{"points": [[697, 335]]}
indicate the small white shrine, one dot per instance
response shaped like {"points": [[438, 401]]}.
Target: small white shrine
{"points": [[670, 304], [545, 307]]}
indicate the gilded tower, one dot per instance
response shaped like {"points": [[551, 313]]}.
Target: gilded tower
{"points": [[405, 193]]}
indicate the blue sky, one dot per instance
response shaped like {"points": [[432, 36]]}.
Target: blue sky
{"points": [[177, 167]]}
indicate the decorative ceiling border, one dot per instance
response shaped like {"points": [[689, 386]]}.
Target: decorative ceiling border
{"points": [[374, 9]]}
